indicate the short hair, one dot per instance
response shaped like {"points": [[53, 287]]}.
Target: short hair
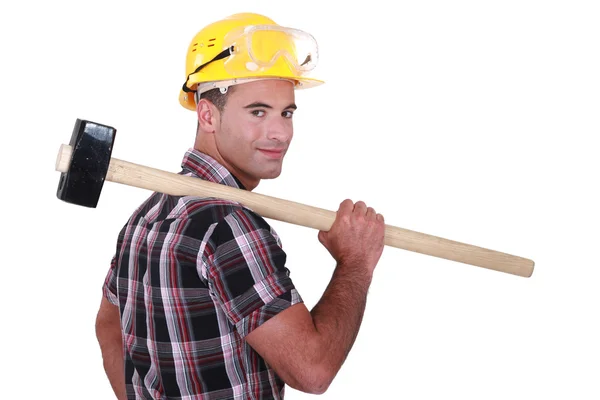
{"points": [[217, 98]]}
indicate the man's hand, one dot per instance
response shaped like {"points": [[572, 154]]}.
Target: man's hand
{"points": [[356, 237]]}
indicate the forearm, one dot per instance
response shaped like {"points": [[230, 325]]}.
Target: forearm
{"points": [[338, 315]]}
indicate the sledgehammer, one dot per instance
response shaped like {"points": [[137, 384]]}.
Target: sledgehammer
{"points": [[86, 163]]}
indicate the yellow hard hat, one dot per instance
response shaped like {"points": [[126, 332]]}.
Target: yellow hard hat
{"points": [[246, 47]]}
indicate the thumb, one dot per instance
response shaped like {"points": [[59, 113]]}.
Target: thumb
{"points": [[322, 237]]}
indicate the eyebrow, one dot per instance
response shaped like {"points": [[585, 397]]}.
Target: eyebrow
{"points": [[258, 104]]}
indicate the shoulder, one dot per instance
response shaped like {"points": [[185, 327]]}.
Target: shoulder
{"points": [[244, 222], [209, 208], [224, 220]]}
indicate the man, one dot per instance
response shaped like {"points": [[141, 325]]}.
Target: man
{"points": [[198, 303]]}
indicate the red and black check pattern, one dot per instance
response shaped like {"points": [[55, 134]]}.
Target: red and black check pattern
{"points": [[192, 277]]}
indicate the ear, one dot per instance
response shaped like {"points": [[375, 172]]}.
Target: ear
{"points": [[208, 116]]}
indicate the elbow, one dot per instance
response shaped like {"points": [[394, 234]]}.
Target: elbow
{"points": [[319, 387], [321, 379], [314, 380], [317, 370]]}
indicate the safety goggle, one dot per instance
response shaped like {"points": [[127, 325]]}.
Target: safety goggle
{"points": [[257, 48]]}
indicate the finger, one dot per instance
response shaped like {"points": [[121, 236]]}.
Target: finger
{"points": [[371, 213], [346, 206], [360, 207]]}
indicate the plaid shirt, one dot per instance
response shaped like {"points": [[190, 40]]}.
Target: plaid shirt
{"points": [[192, 277]]}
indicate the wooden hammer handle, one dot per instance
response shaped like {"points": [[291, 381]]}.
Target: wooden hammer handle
{"points": [[300, 214]]}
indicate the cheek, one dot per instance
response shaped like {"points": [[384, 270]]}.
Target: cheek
{"points": [[239, 140], [249, 131]]}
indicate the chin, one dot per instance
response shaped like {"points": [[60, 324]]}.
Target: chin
{"points": [[270, 174]]}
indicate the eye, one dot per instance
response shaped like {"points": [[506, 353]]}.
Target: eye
{"points": [[258, 113], [287, 114]]}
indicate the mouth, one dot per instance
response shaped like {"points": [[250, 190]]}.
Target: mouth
{"points": [[273, 153]]}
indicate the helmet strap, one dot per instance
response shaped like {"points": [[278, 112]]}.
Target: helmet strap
{"points": [[225, 53]]}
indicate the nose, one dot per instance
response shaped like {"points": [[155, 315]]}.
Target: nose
{"points": [[280, 129]]}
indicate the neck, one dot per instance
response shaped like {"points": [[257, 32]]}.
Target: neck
{"points": [[249, 183]]}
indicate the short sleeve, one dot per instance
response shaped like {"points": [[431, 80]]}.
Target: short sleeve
{"points": [[109, 289], [247, 273]]}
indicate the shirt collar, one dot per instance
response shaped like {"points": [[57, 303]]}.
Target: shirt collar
{"points": [[205, 167]]}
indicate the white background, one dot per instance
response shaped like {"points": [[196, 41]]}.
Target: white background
{"points": [[475, 121]]}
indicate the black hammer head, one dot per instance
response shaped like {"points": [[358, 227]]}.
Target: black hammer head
{"points": [[91, 145]]}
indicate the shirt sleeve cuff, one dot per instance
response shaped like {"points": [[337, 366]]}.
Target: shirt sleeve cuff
{"points": [[267, 311], [110, 296]]}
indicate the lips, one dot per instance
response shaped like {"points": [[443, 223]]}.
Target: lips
{"points": [[272, 153]]}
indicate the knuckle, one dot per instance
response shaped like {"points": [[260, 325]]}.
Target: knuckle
{"points": [[345, 206]]}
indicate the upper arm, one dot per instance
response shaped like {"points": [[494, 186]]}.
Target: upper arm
{"points": [[108, 324], [246, 273], [248, 277], [289, 343], [108, 317], [108, 314]]}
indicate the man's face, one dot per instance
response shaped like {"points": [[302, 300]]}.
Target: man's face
{"points": [[255, 128]]}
